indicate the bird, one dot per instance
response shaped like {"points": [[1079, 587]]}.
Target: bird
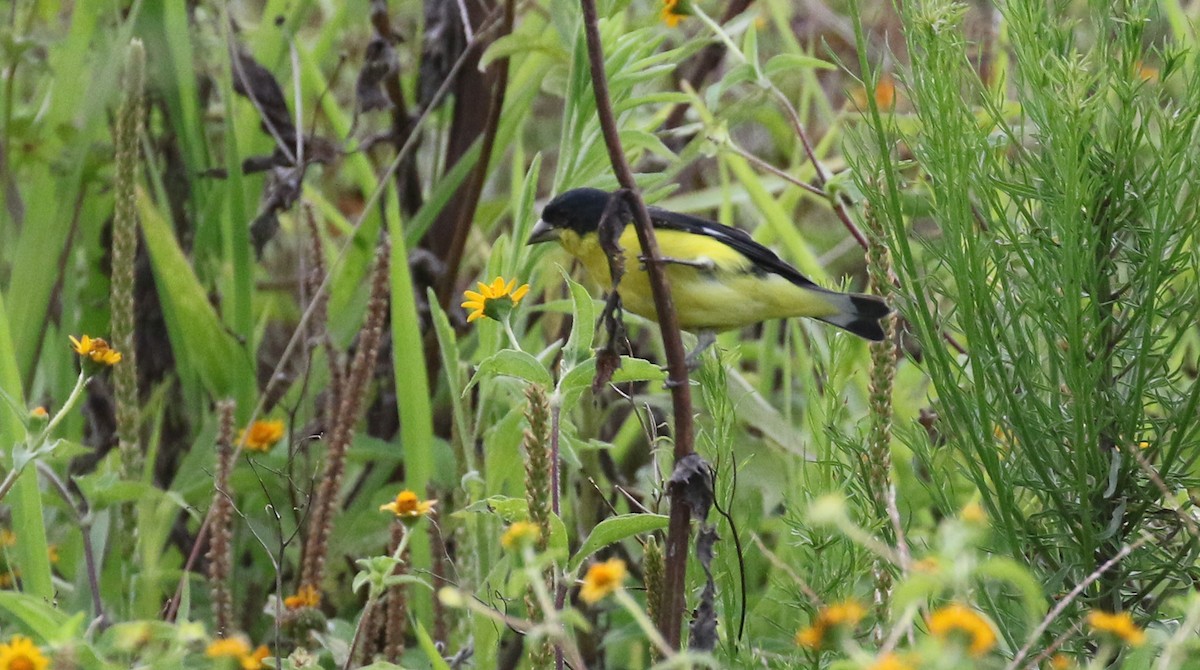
{"points": [[721, 279]]}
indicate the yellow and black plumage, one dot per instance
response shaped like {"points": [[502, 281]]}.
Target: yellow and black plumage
{"points": [[720, 277]]}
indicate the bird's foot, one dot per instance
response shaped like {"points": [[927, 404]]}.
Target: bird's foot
{"points": [[704, 340], [695, 357]]}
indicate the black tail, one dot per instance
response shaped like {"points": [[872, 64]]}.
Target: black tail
{"points": [[860, 314]]}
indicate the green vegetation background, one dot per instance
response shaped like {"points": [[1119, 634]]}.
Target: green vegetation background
{"points": [[1030, 167]]}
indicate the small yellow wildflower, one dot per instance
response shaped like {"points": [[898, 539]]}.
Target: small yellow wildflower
{"points": [[927, 564], [228, 647], [811, 637], [254, 661], [262, 435], [307, 596], [1145, 72], [956, 618], [973, 514], [408, 508], [1143, 445], [673, 12], [885, 95], [601, 580], [845, 613], [519, 534], [889, 661], [95, 349], [1059, 662], [494, 301], [20, 653], [1120, 626], [39, 413]]}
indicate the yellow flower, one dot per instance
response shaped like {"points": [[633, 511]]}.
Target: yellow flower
{"points": [[1143, 445], [845, 613], [956, 618], [927, 564], [973, 514], [889, 661], [96, 349], [673, 12], [254, 661], [495, 301], [307, 596], [22, 654], [885, 95], [1120, 626], [601, 580], [408, 508], [1059, 662], [1145, 72], [519, 534], [811, 638], [39, 413], [262, 435], [52, 553], [228, 647]]}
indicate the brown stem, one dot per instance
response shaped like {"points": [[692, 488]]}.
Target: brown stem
{"points": [[671, 613], [82, 512]]}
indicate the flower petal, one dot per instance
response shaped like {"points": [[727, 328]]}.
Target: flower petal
{"points": [[520, 293]]}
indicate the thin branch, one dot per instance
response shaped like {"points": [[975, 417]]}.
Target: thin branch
{"points": [[677, 372], [82, 512]]}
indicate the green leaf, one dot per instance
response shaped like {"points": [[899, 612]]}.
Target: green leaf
{"points": [[640, 139], [1008, 570], [430, 649], [583, 328], [42, 620], [512, 363], [579, 378], [918, 587], [200, 341], [638, 370], [791, 62], [517, 509], [615, 529], [750, 49]]}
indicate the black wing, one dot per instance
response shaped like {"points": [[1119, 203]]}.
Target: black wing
{"points": [[738, 239]]}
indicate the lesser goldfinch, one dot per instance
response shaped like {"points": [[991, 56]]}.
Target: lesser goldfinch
{"points": [[720, 277]]}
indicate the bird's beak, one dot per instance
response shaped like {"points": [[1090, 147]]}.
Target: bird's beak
{"points": [[542, 232]]}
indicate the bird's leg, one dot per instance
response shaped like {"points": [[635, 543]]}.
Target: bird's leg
{"points": [[704, 340], [702, 263]]}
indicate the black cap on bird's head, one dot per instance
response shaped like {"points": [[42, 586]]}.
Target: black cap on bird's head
{"points": [[578, 210]]}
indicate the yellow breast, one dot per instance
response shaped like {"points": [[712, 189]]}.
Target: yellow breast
{"points": [[713, 285]]}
